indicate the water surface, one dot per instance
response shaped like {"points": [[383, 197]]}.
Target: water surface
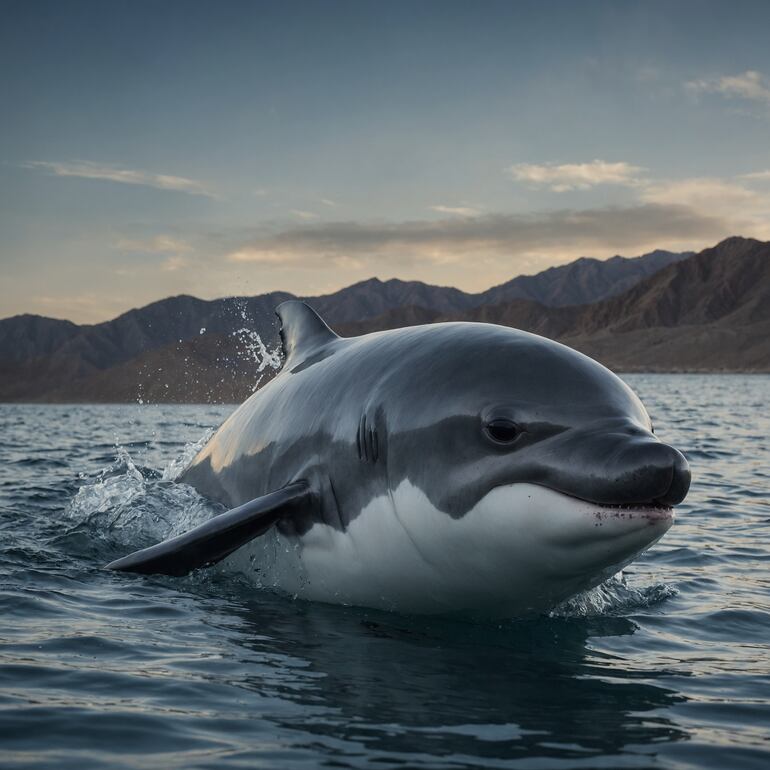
{"points": [[668, 668]]}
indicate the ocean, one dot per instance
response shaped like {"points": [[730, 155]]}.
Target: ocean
{"points": [[666, 666]]}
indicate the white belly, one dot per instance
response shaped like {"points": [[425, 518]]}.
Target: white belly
{"points": [[522, 548]]}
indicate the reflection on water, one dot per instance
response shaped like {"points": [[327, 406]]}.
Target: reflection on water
{"points": [[424, 688], [105, 670]]}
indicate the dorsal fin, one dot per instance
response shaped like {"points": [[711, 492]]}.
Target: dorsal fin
{"points": [[302, 330]]}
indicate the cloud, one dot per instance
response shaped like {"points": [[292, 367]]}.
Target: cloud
{"points": [[329, 202], [178, 253], [699, 192], [460, 211], [349, 263], [750, 85], [576, 176], [173, 263], [86, 307], [740, 206], [300, 214], [89, 170], [258, 254], [160, 244], [493, 237], [761, 176], [709, 195], [743, 208]]}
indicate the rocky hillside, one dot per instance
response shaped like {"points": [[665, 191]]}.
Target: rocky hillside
{"points": [[707, 312], [26, 337], [582, 281]]}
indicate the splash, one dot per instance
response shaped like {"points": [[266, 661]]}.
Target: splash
{"points": [[128, 507], [254, 350], [118, 484], [612, 597], [177, 465], [232, 360]]}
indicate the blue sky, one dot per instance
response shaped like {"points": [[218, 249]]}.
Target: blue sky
{"points": [[149, 149]]}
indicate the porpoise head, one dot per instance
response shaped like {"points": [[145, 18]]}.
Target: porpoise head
{"points": [[545, 459], [442, 468]]}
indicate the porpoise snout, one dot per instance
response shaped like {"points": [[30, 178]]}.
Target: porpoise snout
{"points": [[617, 463], [680, 479], [653, 472]]}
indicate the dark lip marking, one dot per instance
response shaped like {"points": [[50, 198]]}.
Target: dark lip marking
{"points": [[646, 507]]}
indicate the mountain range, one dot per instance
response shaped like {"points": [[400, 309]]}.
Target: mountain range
{"points": [[662, 311]]}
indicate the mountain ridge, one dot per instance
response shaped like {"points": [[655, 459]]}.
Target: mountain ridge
{"points": [[358, 301], [187, 349], [709, 312]]}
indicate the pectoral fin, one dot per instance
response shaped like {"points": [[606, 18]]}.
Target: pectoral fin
{"points": [[219, 537]]}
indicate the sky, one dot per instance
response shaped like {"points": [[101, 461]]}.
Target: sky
{"points": [[215, 148]]}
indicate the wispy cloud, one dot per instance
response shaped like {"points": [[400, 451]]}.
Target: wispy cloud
{"points": [[86, 307], [576, 176], [173, 263], [329, 202], [178, 253], [743, 208], [261, 254], [460, 211], [740, 206], [496, 236], [108, 173], [306, 215], [702, 193], [159, 244], [761, 176], [750, 85]]}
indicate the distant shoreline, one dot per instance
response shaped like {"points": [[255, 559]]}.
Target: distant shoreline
{"points": [[176, 402]]}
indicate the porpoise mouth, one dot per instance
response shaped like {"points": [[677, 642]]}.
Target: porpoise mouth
{"points": [[614, 534], [631, 523], [638, 524], [652, 511]]}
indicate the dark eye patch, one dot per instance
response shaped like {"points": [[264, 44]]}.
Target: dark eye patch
{"points": [[502, 431]]}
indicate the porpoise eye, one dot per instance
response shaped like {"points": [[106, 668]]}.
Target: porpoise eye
{"points": [[502, 431]]}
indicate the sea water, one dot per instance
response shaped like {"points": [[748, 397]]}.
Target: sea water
{"points": [[666, 666]]}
